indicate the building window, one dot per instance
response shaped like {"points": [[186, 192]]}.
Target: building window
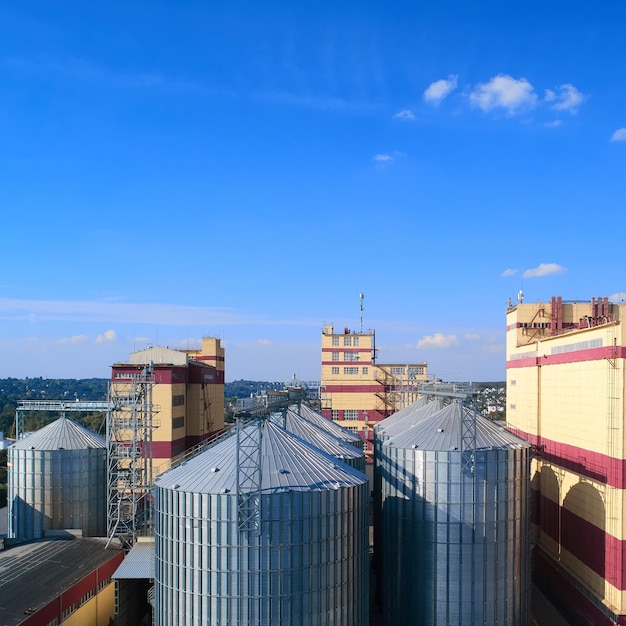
{"points": [[353, 429], [350, 356], [335, 341], [351, 414], [512, 382], [365, 446], [178, 400], [335, 370], [347, 340], [396, 371], [350, 370], [178, 422], [335, 414], [416, 371], [355, 341], [335, 356], [512, 406], [364, 370]]}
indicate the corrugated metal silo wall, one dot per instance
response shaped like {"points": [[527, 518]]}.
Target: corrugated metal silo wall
{"points": [[308, 566], [56, 489], [456, 548]]}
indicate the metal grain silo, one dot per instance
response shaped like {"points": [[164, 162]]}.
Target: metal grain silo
{"points": [[332, 427], [57, 480], [456, 521], [394, 424], [262, 529], [294, 423]]}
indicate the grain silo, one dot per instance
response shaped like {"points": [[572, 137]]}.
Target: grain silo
{"points": [[294, 423], [394, 424], [57, 480], [332, 427], [262, 529], [456, 519]]}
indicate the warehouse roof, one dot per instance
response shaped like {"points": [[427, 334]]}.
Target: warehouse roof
{"points": [[32, 575]]}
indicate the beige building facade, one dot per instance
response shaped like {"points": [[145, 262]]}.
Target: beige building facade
{"points": [[565, 394], [187, 395], [356, 390]]}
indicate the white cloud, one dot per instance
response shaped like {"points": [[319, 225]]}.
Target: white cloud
{"points": [[75, 339], [383, 158], [264, 342], [554, 123], [544, 269], [508, 272], [567, 99], [440, 89], [472, 336], [619, 297], [504, 92], [108, 335], [406, 115], [619, 135], [438, 340]]}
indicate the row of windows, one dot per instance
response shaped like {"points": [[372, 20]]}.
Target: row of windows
{"points": [[347, 356], [348, 340], [349, 370], [411, 371]]}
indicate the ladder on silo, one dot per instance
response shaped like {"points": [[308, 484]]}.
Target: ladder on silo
{"points": [[249, 437]]}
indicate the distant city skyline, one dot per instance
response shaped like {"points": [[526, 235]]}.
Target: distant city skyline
{"points": [[245, 171]]}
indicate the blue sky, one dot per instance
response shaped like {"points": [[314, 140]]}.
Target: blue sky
{"points": [[245, 169]]}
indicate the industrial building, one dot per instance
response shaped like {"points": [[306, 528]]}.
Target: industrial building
{"points": [[356, 390], [565, 394], [187, 396]]}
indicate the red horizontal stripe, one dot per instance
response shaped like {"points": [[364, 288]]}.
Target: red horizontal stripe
{"points": [[348, 363], [599, 551], [356, 388], [595, 465], [567, 596], [576, 356], [345, 349]]}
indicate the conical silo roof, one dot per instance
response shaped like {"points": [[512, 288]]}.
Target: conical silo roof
{"points": [[333, 428], [442, 431], [287, 463], [63, 434], [294, 423], [407, 417]]}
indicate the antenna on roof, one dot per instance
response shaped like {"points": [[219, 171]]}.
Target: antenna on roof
{"points": [[361, 297]]}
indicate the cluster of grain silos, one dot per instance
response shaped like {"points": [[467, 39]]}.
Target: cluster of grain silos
{"points": [[305, 559], [454, 519], [57, 480]]}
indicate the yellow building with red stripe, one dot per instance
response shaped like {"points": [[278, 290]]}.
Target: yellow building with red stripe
{"points": [[565, 394], [356, 390]]}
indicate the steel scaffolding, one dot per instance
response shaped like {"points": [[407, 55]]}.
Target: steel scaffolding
{"points": [[129, 458]]}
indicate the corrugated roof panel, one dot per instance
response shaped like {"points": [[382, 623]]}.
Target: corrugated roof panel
{"points": [[286, 462], [139, 562], [400, 421], [332, 427], [294, 423], [443, 431], [63, 434]]}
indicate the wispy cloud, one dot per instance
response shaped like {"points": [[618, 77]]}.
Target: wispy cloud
{"points": [[440, 89], [565, 98], [75, 339], [554, 123], [508, 272], [472, 336], [438, 340], [544, 269], [385, 158], [619, 135], [264, 342], [504, 92], [108, 335], [405, 116]]}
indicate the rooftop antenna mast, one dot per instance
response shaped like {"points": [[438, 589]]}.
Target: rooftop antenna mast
{"points": [[361, 297]]}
